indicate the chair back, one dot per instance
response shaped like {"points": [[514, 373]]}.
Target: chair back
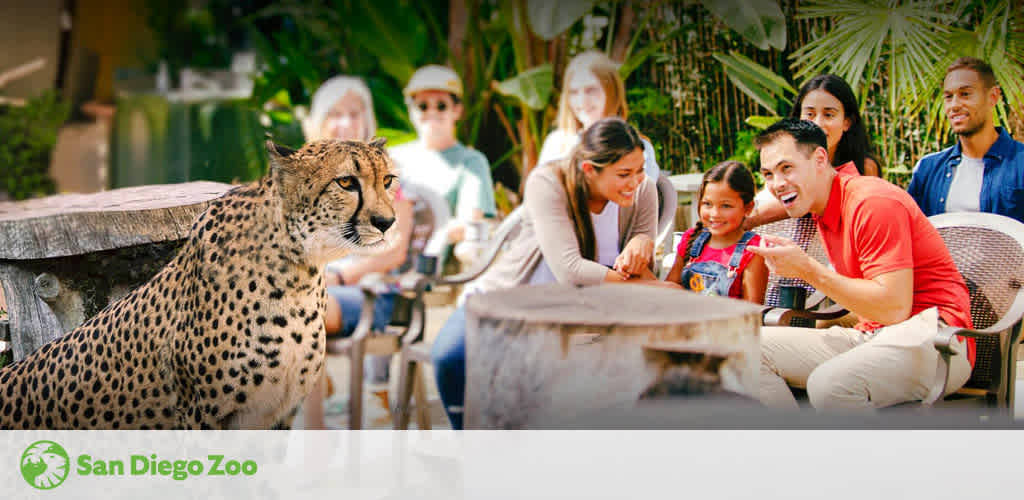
{"points": [[430, 222], [781, 291], [988, 250], [668, 202]]}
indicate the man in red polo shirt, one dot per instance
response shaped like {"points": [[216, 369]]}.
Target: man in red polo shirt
{"points": [[892, 269]]}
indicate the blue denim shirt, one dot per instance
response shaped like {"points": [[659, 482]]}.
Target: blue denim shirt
{"points": [[1002, 185]]}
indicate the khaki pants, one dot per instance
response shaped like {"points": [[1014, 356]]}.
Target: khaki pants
{"points": [[846, 369]]}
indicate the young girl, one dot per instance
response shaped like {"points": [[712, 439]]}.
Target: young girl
{"points": [[712, 257]]}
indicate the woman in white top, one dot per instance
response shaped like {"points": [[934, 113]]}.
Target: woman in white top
{"points": [[591, 89], [342, 109]]}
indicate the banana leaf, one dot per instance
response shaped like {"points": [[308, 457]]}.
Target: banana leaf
{"points": [[761, 122], [549, 19], [756, 81], [532, 87], [760, 22]]}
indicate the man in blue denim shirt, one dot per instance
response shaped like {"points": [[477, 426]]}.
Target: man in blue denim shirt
{"points": [[984, 170]]}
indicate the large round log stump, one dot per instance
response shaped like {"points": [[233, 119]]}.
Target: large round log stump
{"points": [[539, 356], [64, 258]]}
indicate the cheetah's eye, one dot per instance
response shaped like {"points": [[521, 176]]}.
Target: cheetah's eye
{"points": [[348, 183], [388, 179]]}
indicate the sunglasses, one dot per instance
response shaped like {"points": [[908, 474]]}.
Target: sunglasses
{"points": [[424, 106]]}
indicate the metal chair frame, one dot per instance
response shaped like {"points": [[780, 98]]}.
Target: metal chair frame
{"points": [[415, 351], [668, 203]]}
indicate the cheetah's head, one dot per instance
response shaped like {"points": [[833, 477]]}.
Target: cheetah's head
{"points": [[336, 196]]}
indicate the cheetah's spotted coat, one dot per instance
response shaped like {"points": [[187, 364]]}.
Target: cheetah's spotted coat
{"points": [[229, 334]]}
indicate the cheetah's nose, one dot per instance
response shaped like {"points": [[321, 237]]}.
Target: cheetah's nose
{"points": [[382, 223]]}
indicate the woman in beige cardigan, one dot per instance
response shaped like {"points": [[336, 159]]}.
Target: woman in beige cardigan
{"points": [[589, 219]]}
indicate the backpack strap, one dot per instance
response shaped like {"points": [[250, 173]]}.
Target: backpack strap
{"points": [[741, 246], [698, 244]]}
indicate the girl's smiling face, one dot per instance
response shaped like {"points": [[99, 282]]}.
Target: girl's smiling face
{"points": [[722, 210]]}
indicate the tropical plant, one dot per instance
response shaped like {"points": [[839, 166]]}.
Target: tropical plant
{"points": [[30, 133], [761, 84], [903, 38]]}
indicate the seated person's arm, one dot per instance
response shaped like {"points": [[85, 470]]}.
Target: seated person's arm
{"points": [[391, 258]]}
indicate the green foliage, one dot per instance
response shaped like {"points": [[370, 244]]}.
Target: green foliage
{"points": [[761, 122], [549, 19], [745, 151], [760, 22], [197, 37], [531, 88], [29, 134], [382, 41], [761, 84], [902, 38], [649, 109]]}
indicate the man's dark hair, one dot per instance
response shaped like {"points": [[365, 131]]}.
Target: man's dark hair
{"points": [[982, 68], [807, 135]]}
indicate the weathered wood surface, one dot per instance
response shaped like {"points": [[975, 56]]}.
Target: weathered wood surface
{"points": [[537, 356], [64, 258], [75, 224]]}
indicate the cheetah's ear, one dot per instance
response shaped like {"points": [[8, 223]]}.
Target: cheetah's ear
{"points": [[378, 142], [278, 150]]}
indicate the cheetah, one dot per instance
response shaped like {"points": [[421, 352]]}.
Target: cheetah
{"points": [[229, 334]]}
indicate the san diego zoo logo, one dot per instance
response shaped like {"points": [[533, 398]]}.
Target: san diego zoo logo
{"points": [[45, 465]]}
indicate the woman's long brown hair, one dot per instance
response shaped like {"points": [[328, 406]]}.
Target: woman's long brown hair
{"points": [[602, 144]]}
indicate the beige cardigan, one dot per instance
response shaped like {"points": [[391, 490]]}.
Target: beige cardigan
{"points": [[547, 230]]}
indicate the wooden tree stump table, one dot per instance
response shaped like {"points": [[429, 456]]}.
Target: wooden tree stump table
{"points": [[64, 258], [539, 356]]}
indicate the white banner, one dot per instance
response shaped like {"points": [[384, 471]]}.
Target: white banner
{"points": [[489, 465]]}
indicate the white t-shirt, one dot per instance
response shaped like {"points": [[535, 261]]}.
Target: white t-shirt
{"points": [[559, 143], [965, 190], [606, 235]]}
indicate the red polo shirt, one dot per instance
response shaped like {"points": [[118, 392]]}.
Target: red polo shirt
{"points": [[871, 227]]}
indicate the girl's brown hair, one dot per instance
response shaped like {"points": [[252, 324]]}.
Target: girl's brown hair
{"points": [[602, 144], [607, 72], [737, 177]]}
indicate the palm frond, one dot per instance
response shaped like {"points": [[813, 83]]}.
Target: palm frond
{"points": [[906, 35]]}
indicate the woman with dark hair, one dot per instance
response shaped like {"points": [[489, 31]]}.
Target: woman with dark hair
{"points": [[588, 219], [828, 102]]}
